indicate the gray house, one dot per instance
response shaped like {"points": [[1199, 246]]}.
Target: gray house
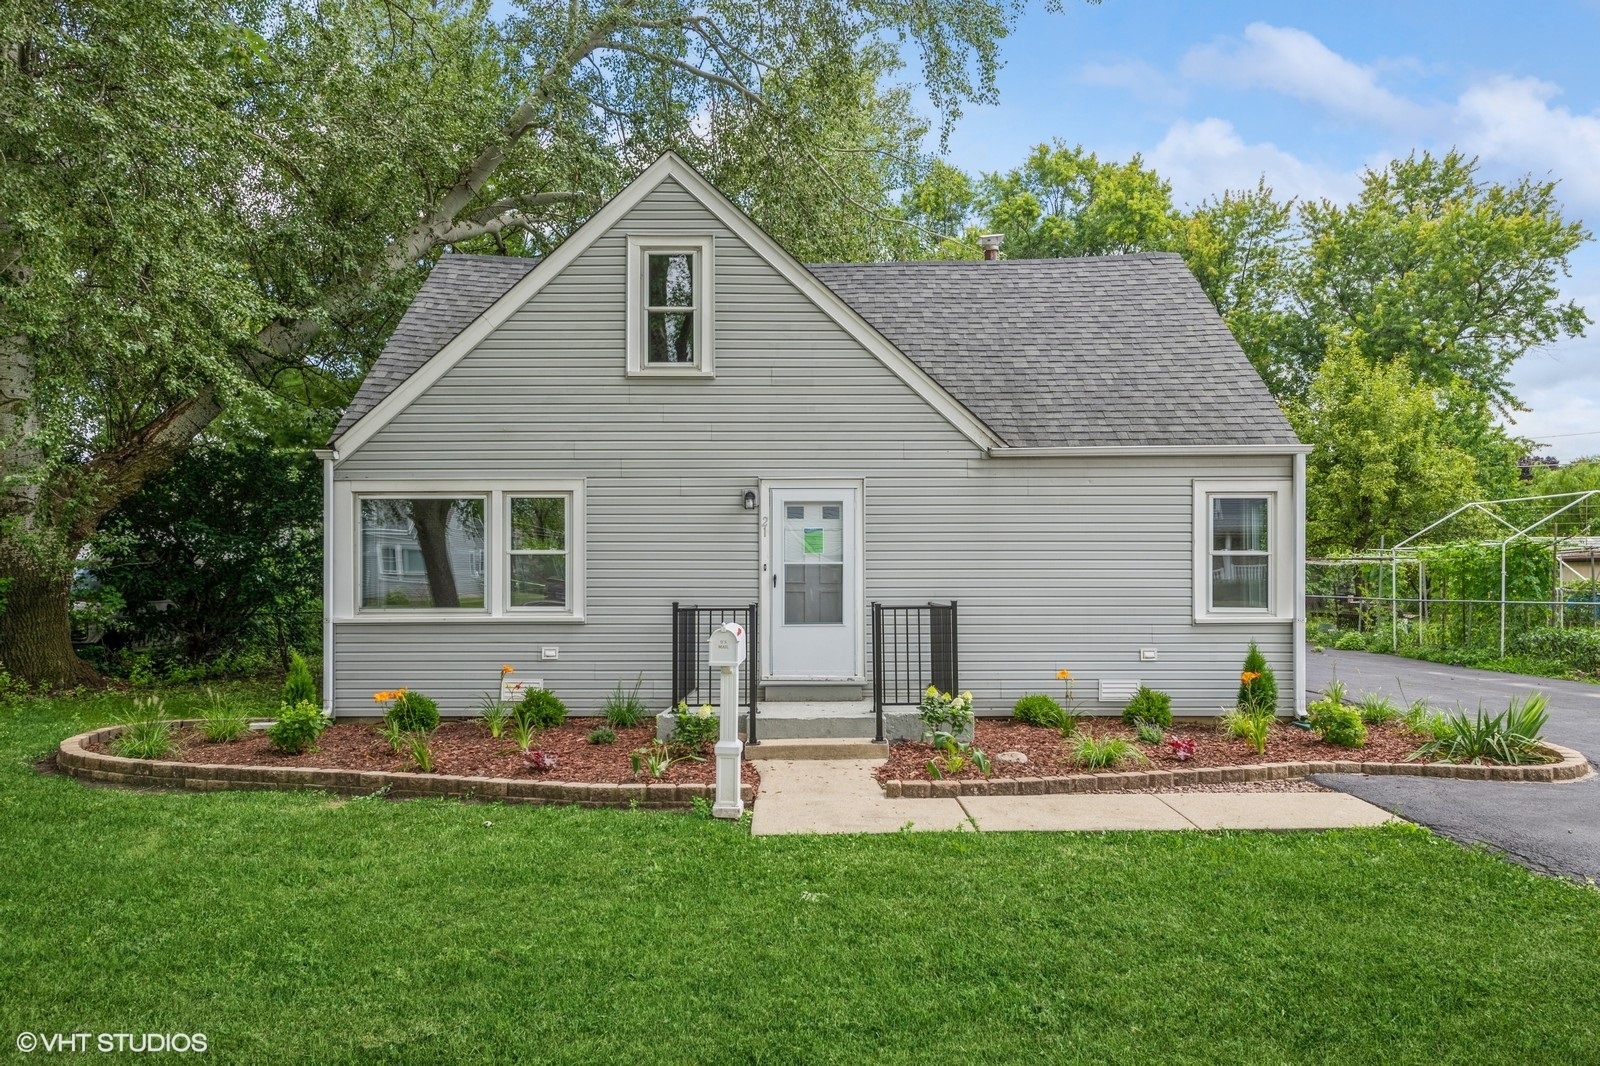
{"points": [[668, 409]]}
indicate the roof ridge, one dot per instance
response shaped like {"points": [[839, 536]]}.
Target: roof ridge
{"points": [[1120, 257]]}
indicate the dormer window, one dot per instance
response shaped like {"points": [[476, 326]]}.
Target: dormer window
{"points": [[669, 306]]}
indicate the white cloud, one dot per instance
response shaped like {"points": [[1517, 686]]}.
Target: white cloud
{"points": [[1205, 158], [1297, 64], [1510, 120], [1141, 80]]}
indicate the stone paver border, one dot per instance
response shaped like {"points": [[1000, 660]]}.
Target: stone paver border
{"points": [[1569, 766], [76, 758]]}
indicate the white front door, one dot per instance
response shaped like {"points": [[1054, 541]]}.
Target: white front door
{"points": [[813, 582]]}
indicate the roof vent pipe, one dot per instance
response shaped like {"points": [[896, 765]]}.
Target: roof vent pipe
{"points": [[990, 243]]}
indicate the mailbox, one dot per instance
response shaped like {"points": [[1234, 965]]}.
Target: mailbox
{"points": [[726, 646]]}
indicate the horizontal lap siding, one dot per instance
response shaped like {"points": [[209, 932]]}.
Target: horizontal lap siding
{"points": [[1066, 562]]}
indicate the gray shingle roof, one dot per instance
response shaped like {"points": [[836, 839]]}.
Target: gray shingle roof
{"points": [[1109, 350], [459, 289], [1114, 350]]}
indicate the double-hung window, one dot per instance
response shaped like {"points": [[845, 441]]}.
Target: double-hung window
{"points": [[669, 292], [494, 549], [1244, 536]]}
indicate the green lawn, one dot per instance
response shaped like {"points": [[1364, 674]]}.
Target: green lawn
{"points": [[303, 928]]}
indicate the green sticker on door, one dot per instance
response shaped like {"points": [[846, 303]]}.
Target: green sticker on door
{"points": [[813, 542]]}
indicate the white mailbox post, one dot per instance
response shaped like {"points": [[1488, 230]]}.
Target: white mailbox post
{"points": [[726, 651]]}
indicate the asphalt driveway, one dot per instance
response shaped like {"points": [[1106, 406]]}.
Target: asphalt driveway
{"points": [[1553, 828]]}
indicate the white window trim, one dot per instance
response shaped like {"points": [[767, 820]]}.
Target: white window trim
{"points": [[640, 247], [1280, 549], [567, 553], [346, 545]]}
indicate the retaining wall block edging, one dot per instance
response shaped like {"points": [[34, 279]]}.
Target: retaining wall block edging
{"points": [[1569, 766], [76, 758]]}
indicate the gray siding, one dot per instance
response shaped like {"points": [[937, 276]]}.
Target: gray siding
{"points": [[1057, 562]]}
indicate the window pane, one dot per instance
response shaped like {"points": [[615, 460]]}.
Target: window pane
{"points": [[671, 338], [538, 580], [539, 523], [1239, 523], [671, 280], [813, 594], [419, 554], [1239, 581]]}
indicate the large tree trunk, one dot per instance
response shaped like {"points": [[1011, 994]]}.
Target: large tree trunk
{"points": [[35, 631]]}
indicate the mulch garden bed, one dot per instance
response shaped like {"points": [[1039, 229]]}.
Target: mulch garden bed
{"points": [[1048, 757], [466, 749]]}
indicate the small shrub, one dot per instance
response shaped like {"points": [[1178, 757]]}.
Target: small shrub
{"points": [[943, 713], [1375, 709], [223, 724], [1574, 648], [655, 759], [393, 735], [694, 728], [1151, 706], [1350, 640], [1104, 753], [1510, 737], [417, 746], [1149, 732], [1337, 724], [1037, 709], [412, 712], [540, 761], [297, 728], [1258, 688], [542, 709], [523, 731], [625, 710], [147, 734], [298, 686], [603, 735]]}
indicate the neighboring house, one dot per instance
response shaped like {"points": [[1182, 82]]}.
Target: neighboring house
{"points": [[669, 408]]}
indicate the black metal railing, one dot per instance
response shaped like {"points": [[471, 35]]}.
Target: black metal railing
{"points": [[912, 648], [691, 629]]}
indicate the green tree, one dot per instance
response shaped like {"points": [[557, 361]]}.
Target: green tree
{"points": [[1383, 462], [1064, 202], [206, 207]]}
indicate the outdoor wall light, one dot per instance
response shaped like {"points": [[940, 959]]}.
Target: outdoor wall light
{"points": [[749, 499]]}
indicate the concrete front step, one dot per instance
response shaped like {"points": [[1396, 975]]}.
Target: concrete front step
{"points": [[796, 749]]}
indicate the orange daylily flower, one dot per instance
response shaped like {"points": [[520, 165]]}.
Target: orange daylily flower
{"points": [[507, 669], [1063, 675], [1248, 676]]}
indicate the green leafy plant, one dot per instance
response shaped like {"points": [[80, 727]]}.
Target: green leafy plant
{"points": [[393, 735], [1103, 753], [297, 728], [223, 723], [146, 733], [541, 708], [694, 728], [656, 758], [1350, 640], [1510, 737], [420, 749], [1036, 709], [942, 712], [298, 686], [523, 731], [493, 714], [1258, 688], [954, 756], [1376, 708], [603, 735], [1149, 732], [1336, 723], [1149, 705], [411, 712], [625, 710], [1253, 729], [1416, 717]]}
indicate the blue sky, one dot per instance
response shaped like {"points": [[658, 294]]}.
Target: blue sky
{"points": [[1214, 95]]}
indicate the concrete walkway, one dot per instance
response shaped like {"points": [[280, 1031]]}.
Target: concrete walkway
{"points": [[1552, 828], [842, 796]]}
